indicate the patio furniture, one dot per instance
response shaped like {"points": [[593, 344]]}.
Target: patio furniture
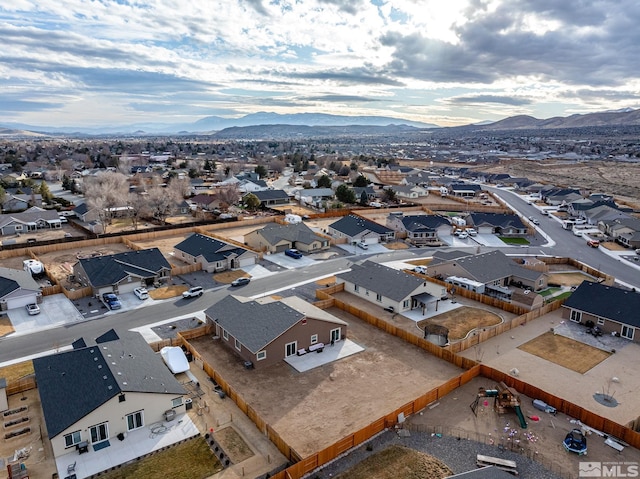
{"points": [[71, 468]]}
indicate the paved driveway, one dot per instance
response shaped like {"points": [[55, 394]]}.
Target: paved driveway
{"points": [[54, 310]]}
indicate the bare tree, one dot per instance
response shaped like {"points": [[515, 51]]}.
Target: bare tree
{"points": [[228, 195], [276, 165], [138, 207], [180, 187], [162, 202], [105, 193]]}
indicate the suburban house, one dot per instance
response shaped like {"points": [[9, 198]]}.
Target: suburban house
{"points": [[276, 237], [122, 272], [28, 221], [613, 310], [17, 289], [204, 202], [86, 214], [214, 255], [20, 201], [409, 192], [357, 228], [487, 273], [464, 190], [625, 231], [265, 331], [95, 393], [314, 196], [270, 197], [391, 288], [557, 196], [421, 230], [504, 224]]}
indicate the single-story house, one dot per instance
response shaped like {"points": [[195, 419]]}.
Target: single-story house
{"points": [[464, 190], [504, 224], [86, 214], [421, 230], [388, 287], [17, 289], [31, 220], [95, 393], [204, 202], [488, 273], [357, 228], [265, 331], [409, 192], [122, 272], [214, 255], [625, 231], [614, 310], [270, 197], [557, 196], [314, 196], [20, 201], [275, 238]]}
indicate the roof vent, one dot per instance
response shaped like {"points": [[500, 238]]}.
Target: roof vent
{"points": [[104, 377]]}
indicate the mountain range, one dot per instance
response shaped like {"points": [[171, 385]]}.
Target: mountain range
{"points": [[264, 124]]}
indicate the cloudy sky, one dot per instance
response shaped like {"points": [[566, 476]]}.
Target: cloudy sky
{"points": [[449, 62]]}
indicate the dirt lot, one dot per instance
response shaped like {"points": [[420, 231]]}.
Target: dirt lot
{"points": [[461, 321], [289, 401], [569, 279], [565, 352]]}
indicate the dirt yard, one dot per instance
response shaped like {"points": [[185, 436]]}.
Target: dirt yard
{"points": [[569, 279], [59, 264], [289, 401], [565, 352], [461, 321]]}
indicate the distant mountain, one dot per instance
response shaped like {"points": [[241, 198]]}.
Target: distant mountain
{"points": [[608, 118], [212, 124], [281, 132]]}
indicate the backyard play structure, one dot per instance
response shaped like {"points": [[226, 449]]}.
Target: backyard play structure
{"points": [[503, 397]]}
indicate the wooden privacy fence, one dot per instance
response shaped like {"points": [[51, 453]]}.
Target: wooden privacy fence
{"points": [[17, 386]]}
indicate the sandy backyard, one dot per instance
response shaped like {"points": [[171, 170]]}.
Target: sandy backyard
{"points": [[313, 410]]}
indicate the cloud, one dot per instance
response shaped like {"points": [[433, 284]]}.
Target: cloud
{"points": [[10, 104], [505, 100], [340, 98], [363, 75]]}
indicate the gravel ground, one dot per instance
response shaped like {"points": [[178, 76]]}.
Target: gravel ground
{"points": [[459, 455]]}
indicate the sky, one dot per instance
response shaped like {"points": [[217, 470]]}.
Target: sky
{"points": [[448, 62]]}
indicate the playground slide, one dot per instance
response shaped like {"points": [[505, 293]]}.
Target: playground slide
{"points": [[523, 422]]}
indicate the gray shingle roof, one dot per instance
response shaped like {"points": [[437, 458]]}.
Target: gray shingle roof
{"points": [[110, 269], [389, 282], [12, 279], [31, 215], [254, 324], [294, 233], [209, 248], [606, 302], [74, 383], [352, 225], [270, 195], [416, 223], [484, 267], [503, 220]]}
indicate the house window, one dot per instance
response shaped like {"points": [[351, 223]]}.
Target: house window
{"points": [[314, 338], [135, 420], [261, 355], [627, 332], [356, 288], [225, 335], [99, 432], [238, 345], [576, 316], [600, 321], [378, 297], [336, 335], [18, 227], [72, 439], [405, 304], [176, 402]]}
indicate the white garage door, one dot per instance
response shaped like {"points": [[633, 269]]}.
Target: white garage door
{"points": [[247, 261], [21, 302], [128, 287]]}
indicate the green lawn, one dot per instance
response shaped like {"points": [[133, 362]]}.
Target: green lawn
{"points": [[549, 291], [523, 241], [564, 295]]}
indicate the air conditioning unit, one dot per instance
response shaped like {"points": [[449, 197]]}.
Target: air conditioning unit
{"points": [[169, 415]]}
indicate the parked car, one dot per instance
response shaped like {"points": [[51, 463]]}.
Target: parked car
{"points": [[420, 269], [471, 232], [141, 293], [112, 301], [33, 309], [593, 243], [363, 245], [240, 281], [194, 292], [293, 253], [463, 235], [534, 220], [63, 219]]}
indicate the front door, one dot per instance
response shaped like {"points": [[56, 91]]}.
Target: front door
{"points": [[290, 349], [99, 433]]}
